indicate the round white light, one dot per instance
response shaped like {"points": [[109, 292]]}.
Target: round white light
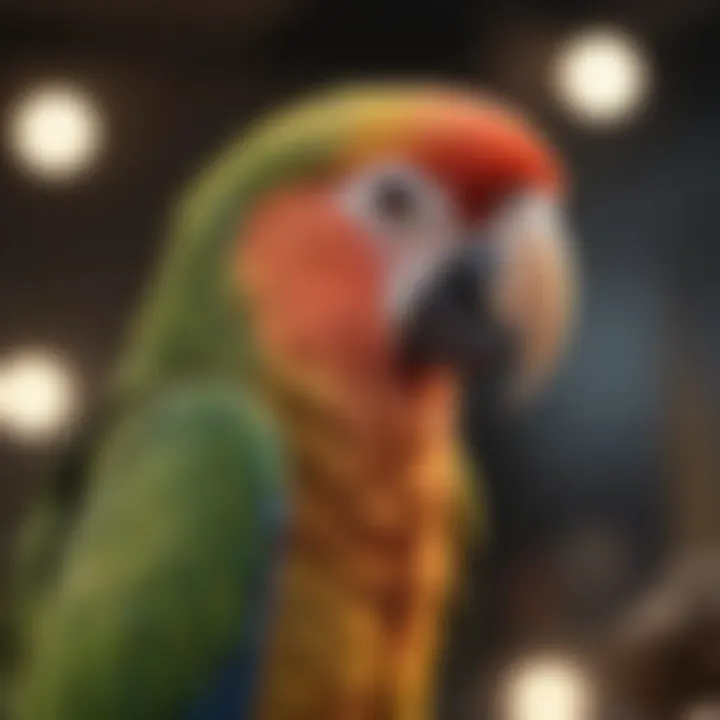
{"points": [[37, 394], [602, 76], [547, 689], [55, 131]]}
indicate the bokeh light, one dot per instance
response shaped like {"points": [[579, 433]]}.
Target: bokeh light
{"points": [[602, 76], [38, 394], [546, 688], [56, 131]]}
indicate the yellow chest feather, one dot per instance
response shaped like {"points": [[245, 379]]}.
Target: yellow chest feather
{"points": [[371, 560]]}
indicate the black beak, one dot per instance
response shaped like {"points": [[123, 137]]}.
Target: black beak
{"points": [[451, 322]]}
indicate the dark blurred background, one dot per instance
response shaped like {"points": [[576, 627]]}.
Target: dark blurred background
{"points": [[613, 469]]}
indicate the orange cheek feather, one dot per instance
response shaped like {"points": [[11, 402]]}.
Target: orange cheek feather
{"points": [[313, 280]]}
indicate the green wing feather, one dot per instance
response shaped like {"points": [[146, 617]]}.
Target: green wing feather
{"points": [[156, 577]]}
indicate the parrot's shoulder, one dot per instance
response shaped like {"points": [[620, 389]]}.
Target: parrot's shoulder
{"points": [[167, 568], [213, 423], [204, 409]]}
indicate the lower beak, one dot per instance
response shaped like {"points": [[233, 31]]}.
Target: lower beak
{"points": [[453, 322], [501, 306]]}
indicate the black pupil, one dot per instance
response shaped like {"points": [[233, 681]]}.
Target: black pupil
{"points": [[395, 200]]}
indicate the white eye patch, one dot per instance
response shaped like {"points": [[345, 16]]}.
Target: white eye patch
{"points": [[398, 203], [411, 218]]}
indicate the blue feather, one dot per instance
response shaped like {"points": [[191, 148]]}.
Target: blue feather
{"points": [[232, 692]]}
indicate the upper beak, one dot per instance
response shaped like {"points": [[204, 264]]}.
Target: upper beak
{"points": [[502, 304]]}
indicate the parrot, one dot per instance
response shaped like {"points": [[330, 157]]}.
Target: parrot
{"points": [[267, 522]]}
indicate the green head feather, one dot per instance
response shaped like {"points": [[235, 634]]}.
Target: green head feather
{"points": [[192, 323]]}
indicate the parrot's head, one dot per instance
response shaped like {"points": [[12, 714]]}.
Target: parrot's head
{"points": [[430, 240], [408, 231]]}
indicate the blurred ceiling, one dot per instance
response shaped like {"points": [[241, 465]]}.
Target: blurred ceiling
{"points": [[245, 17], [323, 37], [219, 15]]}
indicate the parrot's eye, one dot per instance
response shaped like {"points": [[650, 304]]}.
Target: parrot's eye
{"points": [[395, 200], [399, 203]]}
